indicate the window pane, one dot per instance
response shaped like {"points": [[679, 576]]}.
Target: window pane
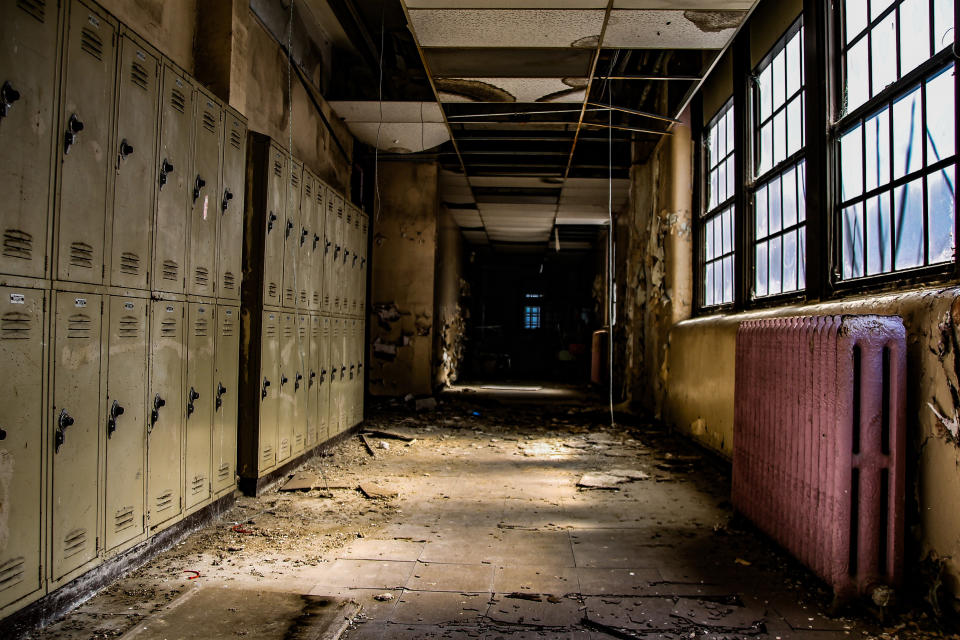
{"points": [[761, 267], [855, 13], [708, 298], [941, 116], [765, 98], [802, 255], [941, 209], [790, 261], [775, 284], [851, 163], [708, 251], [793, 66], [852, 248], [776, 203], [728, 279], [721, 182], [779, 85], [878, 234], [729, 120], [877, 149], [765, 151], [779, 137], [802, 190], [942, 24], [858, 75], [789, 190], [884, 50], [730, 176], [794, 127], [906, 134], [877, 7], [728, 231], [914, 34], [712, 195], [908, 218], [761, 212]]}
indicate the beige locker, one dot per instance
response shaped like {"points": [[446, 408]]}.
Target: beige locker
{"points": [[269, 391], [330, 251], [125, 416], [364, 238], [287, 409], [346, 268], [230, 234], [355, 376], [273, 238], [173, 182], [339, 373], [135, 142], [317, 245], [198, 402], [361, 365], [86, 127], [326, 379], [339, 235], [316, 425], [28, 93], [292, 237], [22, 343], [204, 194], [225, 399], [165, 404], [301, 362], [75, 430], [306, 243]]}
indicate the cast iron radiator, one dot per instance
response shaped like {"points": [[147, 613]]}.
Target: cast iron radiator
{"points": [[819, 439]]}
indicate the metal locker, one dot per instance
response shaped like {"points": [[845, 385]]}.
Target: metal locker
{"points": [[165, 406], [329, 246], [136, 151], [86, 127], [364, 237], [317, 250], [326, 380], [306, 244], [204, 194], [269, 390], [331, 330], [124, 418], [28, 92], [301, 362], [361, 364], [292, 237], [75, 429], [354, 371], [198, 402], [225, 399], [22, 343], [345, 256], [287, 410], [230, 234], [273, 238], [338, 372], [338, 253], [315, 424], [173, 173]]}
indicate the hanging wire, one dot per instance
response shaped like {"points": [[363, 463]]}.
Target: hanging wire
{"points": [[377, 205], [611, 264]]}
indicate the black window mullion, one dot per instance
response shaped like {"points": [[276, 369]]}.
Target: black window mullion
{"points": [[742, 112], [817, 24], [700, 158]]}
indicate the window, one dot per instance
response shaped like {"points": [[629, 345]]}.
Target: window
{"points": [[531, 311], [717, 223], [897, 140], [779, 192]]}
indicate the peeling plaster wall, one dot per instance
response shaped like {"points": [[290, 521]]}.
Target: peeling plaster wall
{"points": [[167, 25], [452, 314], [403, 263]]}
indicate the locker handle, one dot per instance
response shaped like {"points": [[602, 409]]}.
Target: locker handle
{"points": [[289, 227], [165, 168], [323, 374], [220, 391], [270, 221], [155, 414], [343, 371], [354, 259], [193, 395], [313, 374], [8, 95], [283, 379], [316, 241], [125, 148], [304, 233], [63, 422], [116, 410], [263, 389], [351, 372], [3, 434], [198, 185], [326, 247], [227, 197], [336, 251], [74, 126], [296, 382], [346, 252]]}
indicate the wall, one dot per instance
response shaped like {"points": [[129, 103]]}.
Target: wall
{"points": [[168, 25], [403, 265], [452, 314]]}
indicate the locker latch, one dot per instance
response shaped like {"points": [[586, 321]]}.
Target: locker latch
{"points": [[155, 414], [283, 380], [316, 241], [270, 221], [354, 259], [198, 184], [220, 391], [125, 148], [63, 422], [336, 252], [74, 126], [263, 389], [8, 95], [165, 168], [346, 252], [227, 197], [326, 247], [3, 434], [313, 374], [343, 371], [191, 397], [304, 232], [323, 375], [289, 227], [351, 372], [296, 382], [116, 410]]}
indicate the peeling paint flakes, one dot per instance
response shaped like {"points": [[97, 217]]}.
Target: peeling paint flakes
{"points": [[952, 425]]}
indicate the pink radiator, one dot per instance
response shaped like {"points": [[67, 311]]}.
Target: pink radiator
{"points": [[819, 439]]}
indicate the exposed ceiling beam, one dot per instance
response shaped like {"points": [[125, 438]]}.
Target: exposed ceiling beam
{"points": [[652, 78], [645, 114]]}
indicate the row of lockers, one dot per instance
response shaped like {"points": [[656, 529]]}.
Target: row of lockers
{"points": [[120, 169], [120, 419]]}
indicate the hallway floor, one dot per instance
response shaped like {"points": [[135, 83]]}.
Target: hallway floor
{"points": [[483, 532]]}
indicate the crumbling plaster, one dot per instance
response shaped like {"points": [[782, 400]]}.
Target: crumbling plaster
{"points": [[452, 314]]}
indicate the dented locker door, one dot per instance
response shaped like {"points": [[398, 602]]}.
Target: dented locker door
{"points": [[230, 234], [124, 417], [273, 238], [198, 402], [301, 373], [269, 390], [135, 151], [173, 172], [305, 248], [22, 321], [313, 381], [317, 245], [28, 91], [204, 194], [225, 399], [292, 237], [330, 241], [165, 407], [75, 429], [86, 158], [288, 350]]}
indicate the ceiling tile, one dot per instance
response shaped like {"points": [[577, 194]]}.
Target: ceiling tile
{"points": [[668, 29], [467, 218], [711, 5], [506, 4], [512, 89], [506, 62], [507, 27]]}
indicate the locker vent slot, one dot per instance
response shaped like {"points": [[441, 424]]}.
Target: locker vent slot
{"points": [[227, 329], [277, 169], [123, 519], [299, 439], [168, 329], [178, 101], [236, 138], [130, 264], [91, 43], [320, 199], [284, 448], [270, 330], [316, 298], [79, 326], [74, 542], [223, 472], [308, 189], [15, 325], [169, 270], [303, 296], [287, 331], [289, 296], [165, 500], [294, 180], [201, 277], [139, 75], [197, 485], [129, 327], [200, 328], [11, 573], [229, 282], [81, 255], [36, 8], [17, 244], [272, 290], [267, 453], [209, 122]]}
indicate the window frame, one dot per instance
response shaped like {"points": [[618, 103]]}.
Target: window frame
{"points": [[704, 214]]}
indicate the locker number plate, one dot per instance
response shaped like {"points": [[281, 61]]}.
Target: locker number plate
{"points": [[17, 298], [80, 302]]}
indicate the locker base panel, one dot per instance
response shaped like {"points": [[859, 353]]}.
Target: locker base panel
{"points": [[23, 282], [259, 485], [74, 593]]}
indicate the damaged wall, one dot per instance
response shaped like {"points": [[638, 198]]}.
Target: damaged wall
{"points": [[452, 314], [403, 266]]}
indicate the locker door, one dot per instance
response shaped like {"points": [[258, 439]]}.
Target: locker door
{"points": [[288, 350], [314, 382], [22, 348], [86, 124], [364, 237], [125, 417], [204, 192], [338, 254], [354, 371], [269, 390], [198, 401], [326, 376], [173, 173], [292, 237], [75, 428], [28, 90], [225, 399], [305, 249], [362, 358], [230, 235], [136, 151], [330, 232], [301, 369], [273, 251], [165, 404], [317, 249], [347, 254], [336, 390]]}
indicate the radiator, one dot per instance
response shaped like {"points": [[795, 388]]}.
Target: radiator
{"points": [[819, 438]]}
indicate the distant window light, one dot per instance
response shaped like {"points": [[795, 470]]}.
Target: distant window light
{"points": [[533, 296], [531, 317]]}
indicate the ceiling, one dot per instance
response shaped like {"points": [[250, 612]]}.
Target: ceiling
{"points": [[546, 103]]}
